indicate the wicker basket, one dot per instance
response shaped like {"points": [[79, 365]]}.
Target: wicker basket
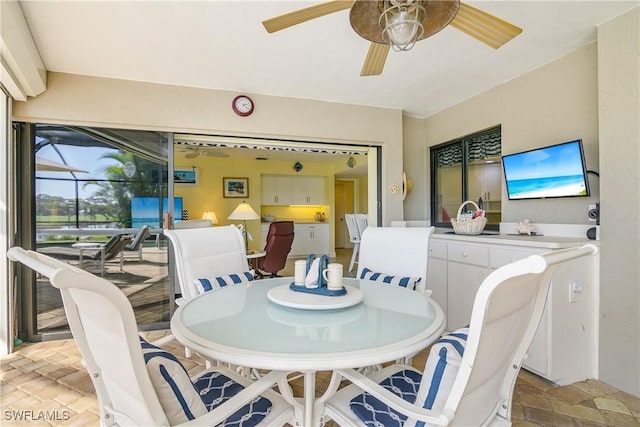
{"points": [[468, 226]]}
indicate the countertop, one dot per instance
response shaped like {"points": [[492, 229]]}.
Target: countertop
{"points": [[297, 221], [552, 242]]}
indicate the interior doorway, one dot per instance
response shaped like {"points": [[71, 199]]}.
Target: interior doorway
{"points": [[344, 204]]}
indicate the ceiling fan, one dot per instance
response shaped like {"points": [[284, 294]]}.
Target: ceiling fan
{"points": [[192, 153], [401, 23]]}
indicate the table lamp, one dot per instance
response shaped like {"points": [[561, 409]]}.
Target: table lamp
{"points": [[211, 215], [244, 212]]}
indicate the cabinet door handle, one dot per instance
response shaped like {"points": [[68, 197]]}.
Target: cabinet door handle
{"points": [[464, 254]]}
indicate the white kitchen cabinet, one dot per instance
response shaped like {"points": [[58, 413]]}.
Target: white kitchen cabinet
{"points": [[292, 190], [564, 349], [308, 190], [277, 190], [485, 180], [310, 239]]}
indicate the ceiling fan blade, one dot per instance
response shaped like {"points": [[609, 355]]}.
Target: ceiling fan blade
{"points": [[376, 57], [299, 16], [483, 26]]}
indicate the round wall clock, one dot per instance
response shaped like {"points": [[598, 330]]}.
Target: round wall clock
{"points": [[242, 105]]}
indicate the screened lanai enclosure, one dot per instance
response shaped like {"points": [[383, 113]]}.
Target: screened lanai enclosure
{"points": [[93, 192]]}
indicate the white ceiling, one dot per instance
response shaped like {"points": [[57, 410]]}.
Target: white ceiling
{"points": [[223, 45]]}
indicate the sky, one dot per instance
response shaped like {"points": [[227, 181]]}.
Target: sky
{"points": [[86, 158], [558, 160]]}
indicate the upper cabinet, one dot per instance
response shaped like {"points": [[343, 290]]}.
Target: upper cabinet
{"points": [[485, 181], [308, 190], [292, 190], [277, 190]]}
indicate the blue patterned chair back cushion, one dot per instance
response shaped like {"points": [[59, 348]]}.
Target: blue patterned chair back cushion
{"points": [[441, 369], [183, 400], [213, 283], [431, 389], [405, 282], [178, 396]]}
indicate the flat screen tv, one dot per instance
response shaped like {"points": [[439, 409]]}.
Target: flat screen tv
{"points": [[555, 171]]}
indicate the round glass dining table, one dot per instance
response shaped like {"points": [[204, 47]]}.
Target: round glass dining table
{"points": [[267, 326]]}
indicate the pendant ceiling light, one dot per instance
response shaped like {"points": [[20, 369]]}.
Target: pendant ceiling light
{"points": [[401, 23]]}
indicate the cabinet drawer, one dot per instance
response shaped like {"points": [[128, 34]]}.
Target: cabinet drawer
{"points": [[468, 254], [501, 256], [437, 249]]}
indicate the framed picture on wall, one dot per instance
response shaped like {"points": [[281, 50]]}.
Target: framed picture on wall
{"points": [[185, 176], [235, 187]]}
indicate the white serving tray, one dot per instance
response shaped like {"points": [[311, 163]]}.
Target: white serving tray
{"points": [[284, 296]]}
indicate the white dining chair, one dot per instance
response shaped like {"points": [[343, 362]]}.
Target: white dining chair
{"points": [[206, 253], [393, 252], [139, 384], [354, 237], [362, 221], [470, 374]]}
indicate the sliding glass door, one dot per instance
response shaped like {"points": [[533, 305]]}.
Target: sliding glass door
{"points": [[98, 202]]}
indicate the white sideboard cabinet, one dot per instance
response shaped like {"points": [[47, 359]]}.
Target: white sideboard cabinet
{"points": [[309, 238], [564, 349]]}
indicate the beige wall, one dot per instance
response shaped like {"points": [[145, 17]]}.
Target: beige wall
{"points": [[93, 101], [555, 103], [591, 94], [619, 98], [416, 166], [207, 194]]}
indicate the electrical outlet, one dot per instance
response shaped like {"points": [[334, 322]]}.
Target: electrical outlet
{"points": [[592, 213], [575, 288]]}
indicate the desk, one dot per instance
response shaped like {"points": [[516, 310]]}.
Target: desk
{"points": [[240, 325], [253, 258]]}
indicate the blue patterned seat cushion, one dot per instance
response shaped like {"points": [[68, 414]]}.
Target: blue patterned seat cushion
{"points": [[212, 283], [430, 390], [374, 413], [215, 388], [405, 282], [184, 400]]}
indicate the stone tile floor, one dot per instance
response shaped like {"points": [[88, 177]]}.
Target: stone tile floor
{"points": [[47, 380]]}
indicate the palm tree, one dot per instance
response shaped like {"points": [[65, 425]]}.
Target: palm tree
{"points": [[120, 188]]}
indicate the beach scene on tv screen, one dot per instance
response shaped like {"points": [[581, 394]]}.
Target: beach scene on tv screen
{"points": [[549, 172], [146, 210]]}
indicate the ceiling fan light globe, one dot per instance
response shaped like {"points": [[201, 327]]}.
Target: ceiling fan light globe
{"points": [[401, 24]]}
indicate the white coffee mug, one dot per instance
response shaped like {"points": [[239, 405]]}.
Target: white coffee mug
{"points": [[300, 272], [333, 275]]}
